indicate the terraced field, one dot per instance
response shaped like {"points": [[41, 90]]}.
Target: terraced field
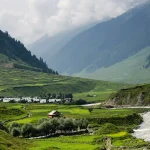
{"points": [[16, 82]]}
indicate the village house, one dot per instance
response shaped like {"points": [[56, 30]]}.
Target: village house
{"points": [[54, 114]]}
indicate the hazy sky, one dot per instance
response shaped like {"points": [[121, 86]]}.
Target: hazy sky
{"points": [[28, 20]]}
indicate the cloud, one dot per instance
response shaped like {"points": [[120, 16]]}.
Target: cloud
{"points": [[28, 20]]}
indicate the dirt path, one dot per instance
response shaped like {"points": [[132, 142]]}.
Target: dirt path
{"points": [[108, 144]]}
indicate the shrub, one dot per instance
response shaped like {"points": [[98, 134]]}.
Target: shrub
{"points": [[94, 125], [107, 129], [42, 120], [28, 130], [46, 128]]}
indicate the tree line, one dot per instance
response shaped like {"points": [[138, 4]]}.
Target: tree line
{"points": [[57, 96], [47, 127], [15, 50]]}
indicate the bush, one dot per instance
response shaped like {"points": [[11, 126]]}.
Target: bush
{"points": [[94, 125], [42, 120], [46, 128], [80, 102], [107, 129], [129, 130]]}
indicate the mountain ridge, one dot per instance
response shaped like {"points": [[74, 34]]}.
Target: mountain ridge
{"points": [[14, 52], [106, 43]]}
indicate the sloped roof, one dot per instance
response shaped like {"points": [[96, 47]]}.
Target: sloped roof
{"points": [[53, 112]]}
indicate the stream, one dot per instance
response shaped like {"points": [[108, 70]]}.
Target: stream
{"points": [[143, 132]]}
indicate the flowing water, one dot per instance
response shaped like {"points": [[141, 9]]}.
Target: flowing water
{"points": [[143, 132]]}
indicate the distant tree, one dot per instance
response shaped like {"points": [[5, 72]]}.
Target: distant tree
{"points": [[61, 126], [80, 102], [82, 124], [42, 120], [90, 110], [53, 95], [55, 123], [68, 125], [46, 128], [12, 101], [28, 130]]}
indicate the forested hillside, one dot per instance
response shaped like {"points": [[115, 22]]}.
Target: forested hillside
{"points": [[14, 54]]}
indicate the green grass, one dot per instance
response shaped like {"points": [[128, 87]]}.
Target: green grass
{"points": [[65, 142], [8, 142], [39, 111], [11, 113]]}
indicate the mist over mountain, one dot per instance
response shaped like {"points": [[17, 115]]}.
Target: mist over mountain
{"points": [[46, 47], [106, 43]]}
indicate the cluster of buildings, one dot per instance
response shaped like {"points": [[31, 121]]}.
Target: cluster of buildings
{"points": [[34, 100]]}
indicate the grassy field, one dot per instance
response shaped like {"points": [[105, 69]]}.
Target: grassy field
{"points": [[64, 143], [15, 82], [39, 111]]}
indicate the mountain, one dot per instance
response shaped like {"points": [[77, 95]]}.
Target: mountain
{"points": [[47, 46], [14, 54], [135, 96], [134, 69], [106, 43]]}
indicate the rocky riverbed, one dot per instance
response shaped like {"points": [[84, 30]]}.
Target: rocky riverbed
{"points": [[143, 132]]}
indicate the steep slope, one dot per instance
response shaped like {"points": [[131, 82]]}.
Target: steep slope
{"points": [[136, 96], [106, 43], [14, 54], [134, 69]]}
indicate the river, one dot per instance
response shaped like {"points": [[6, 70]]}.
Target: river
{"points": [[143, 132]]}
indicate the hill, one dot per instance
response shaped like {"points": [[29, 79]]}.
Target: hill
{"points": [[134, 69], [107, 43], [136, 96], [16, 82], [13, 54], [8, 142]]}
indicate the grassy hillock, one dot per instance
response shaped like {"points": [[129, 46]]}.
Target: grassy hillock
{"points": [[139, 96], [20, 82], [8, 142]]}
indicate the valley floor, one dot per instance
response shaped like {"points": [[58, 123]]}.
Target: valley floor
{"points": [[124, 121]]}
